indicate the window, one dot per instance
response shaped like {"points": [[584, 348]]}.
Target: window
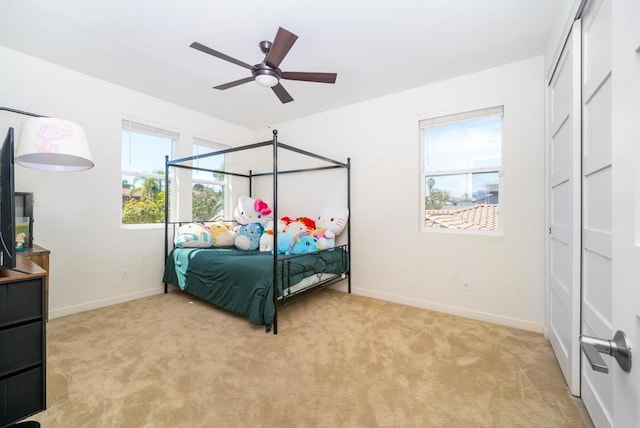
{"points": [[143, 182], [461, 170], [208, 188]]}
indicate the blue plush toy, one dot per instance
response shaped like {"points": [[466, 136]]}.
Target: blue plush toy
{"points": [[248, 237], [289, 243]]}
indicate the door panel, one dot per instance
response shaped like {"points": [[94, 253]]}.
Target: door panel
{"points": [[626, 203], [564, 210], [597, 262], [596, 43], [597, 125]]}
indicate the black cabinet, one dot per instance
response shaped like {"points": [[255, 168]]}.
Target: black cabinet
{"points": [[22, 344]]}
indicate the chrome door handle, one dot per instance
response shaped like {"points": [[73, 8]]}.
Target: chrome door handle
{"points": [[618, 348]]}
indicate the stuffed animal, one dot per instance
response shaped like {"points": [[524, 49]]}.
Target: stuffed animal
{"points": [[286, 220], [326, 238], [288, 243], [249, 236], [300, 225], [20, 241], [193, 235], [250, 210], [297, 226], [304, 244], [223, 235], [329, 224], [266, 240]]}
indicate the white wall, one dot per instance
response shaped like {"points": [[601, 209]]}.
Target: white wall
{"points": [[77, 215], [392, 259]]}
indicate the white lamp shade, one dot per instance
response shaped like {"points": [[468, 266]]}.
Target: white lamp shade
{"points": [[53, 145], [266, 80]]}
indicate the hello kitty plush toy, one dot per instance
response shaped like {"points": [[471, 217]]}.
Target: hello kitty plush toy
{"points": [[329, 224], [250, 210], [247, 212]]}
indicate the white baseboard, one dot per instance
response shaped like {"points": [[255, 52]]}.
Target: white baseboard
{"points": [[95, 304], [454, 310]]}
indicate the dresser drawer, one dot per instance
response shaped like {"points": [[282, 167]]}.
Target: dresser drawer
{"points": [[22, 395], [21, 300], [20, 347]]}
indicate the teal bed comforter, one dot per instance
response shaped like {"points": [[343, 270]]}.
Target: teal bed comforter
{"points": [[242, 281]]}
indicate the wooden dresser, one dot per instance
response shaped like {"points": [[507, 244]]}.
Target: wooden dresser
{"points": [[22, 342], [39, 256]]}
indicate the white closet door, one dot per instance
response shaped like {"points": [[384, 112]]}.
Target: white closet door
{"points": [[611, 198], [597, 388], [564, 209]]}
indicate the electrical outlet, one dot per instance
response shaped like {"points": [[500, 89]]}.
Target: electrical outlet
{"points": [[125, 273], [466, 285]]}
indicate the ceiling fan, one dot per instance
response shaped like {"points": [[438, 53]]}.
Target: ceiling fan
{"points": [[267, 72]]}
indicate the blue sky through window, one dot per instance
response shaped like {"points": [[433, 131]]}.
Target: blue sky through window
{"points": [[144, 153], [463, 145], [209, 162]]}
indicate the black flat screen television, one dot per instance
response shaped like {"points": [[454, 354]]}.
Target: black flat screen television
{"points": [[7, 205]]}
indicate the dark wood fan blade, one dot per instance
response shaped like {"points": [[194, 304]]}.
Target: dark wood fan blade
{"points": [[234, 83], [220, 55], [280, 47], [282, 93], [310, 77]]}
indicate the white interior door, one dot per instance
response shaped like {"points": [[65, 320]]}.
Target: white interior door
{"points": [[563, 97], [597, 259], [611, 194], [626, 203]]}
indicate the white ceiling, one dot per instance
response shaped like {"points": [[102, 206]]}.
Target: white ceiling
{"points": [[377, 47]]}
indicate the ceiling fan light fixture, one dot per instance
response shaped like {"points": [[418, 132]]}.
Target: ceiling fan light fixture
{"points": [[268, 73], [266, 80]]}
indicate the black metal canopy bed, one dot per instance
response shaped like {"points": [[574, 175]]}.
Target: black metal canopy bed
{"points": [[253, 282]]}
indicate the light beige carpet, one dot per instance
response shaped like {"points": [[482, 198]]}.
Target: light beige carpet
{"points": [[339, 360]]}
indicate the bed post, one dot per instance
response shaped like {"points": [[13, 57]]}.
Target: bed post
{"points": [[275, 231], [349, 221], [166, 214]]}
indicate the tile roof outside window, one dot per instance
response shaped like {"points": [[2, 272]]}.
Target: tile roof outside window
{"points": [[476, 217]]}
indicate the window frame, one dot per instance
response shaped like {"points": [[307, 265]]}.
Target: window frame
{"points": [[224, 183], [138, 127], [496, 109]]}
